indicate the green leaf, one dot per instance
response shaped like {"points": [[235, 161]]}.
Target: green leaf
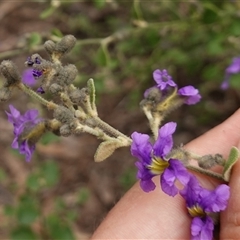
{"points": [[34, 39], [235, 81], [9, 210], [23, 233], [212, 73], [100, 57], [47, 12], [27, 210], [33, 182], [57, 32], [232, 159], [50, 173], [99, 3], [83, 195], [3, 175], [49, 137], [128, 178], [58, 229]]}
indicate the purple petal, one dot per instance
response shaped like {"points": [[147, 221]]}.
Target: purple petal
{"points": [[15, 143], [40, 90], [27, 77], [216, 200], [175, 171], [234, 66], [192, 94], [191, 191], [31, 115], [13, 115], [164, 143], [148, 185], [225, 83], [167, 181], [27, 150], [202, 228], [141, 147], [180, 171], [162, 78], [20, 124]]}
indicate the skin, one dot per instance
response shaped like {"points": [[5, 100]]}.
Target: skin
{"points": [[155, 215]]}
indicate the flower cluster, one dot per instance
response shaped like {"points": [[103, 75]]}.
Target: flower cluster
{"points": [[153, 161], [201, 203], [156, 159], [164, 81]]}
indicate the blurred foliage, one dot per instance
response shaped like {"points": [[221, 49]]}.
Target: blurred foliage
{"points": [[122, 41]]}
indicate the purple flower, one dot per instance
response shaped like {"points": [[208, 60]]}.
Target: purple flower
{"points": [[40, 90], [27, 77], [201, 203], [22, 124], [30, 62], [152, 161], [163, 79], [36, 73], [191, 94], [233, 68]]}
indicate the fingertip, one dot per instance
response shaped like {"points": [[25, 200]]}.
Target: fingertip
{"points": [[230, 218]]}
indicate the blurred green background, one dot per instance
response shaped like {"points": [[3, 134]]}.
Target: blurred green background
{"points": [[62, 193]]}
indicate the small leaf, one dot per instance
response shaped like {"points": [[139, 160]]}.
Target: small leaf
{"points": [[232, 159], [91, 89], [106, 149], [47, 12], [23, 232], [58, 228], [34, 39]]}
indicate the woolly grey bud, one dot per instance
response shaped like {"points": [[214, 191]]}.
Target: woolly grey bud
{"points": [[55, 88], [5, 94], [66, 44], [63, 114], [219, 159], [49, 46], [65, 130], [208, 161], [66, 75], [10, 72], [72, 73], [153, 94], [79, 96]]}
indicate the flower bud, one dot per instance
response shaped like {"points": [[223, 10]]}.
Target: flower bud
{"points": [[65, 130], [34, 59], [79, 96], [72, 72], [66, 75], [208, 161], [49, 46], [63, 114], [10, 72], [55, 88], [66, 44], [153, 94]]}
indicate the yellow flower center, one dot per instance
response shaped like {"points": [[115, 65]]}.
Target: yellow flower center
{"points": [[158, 165], [196, 211]]}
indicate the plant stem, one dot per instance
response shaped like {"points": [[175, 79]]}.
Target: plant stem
{"points": [[205, 172]]}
